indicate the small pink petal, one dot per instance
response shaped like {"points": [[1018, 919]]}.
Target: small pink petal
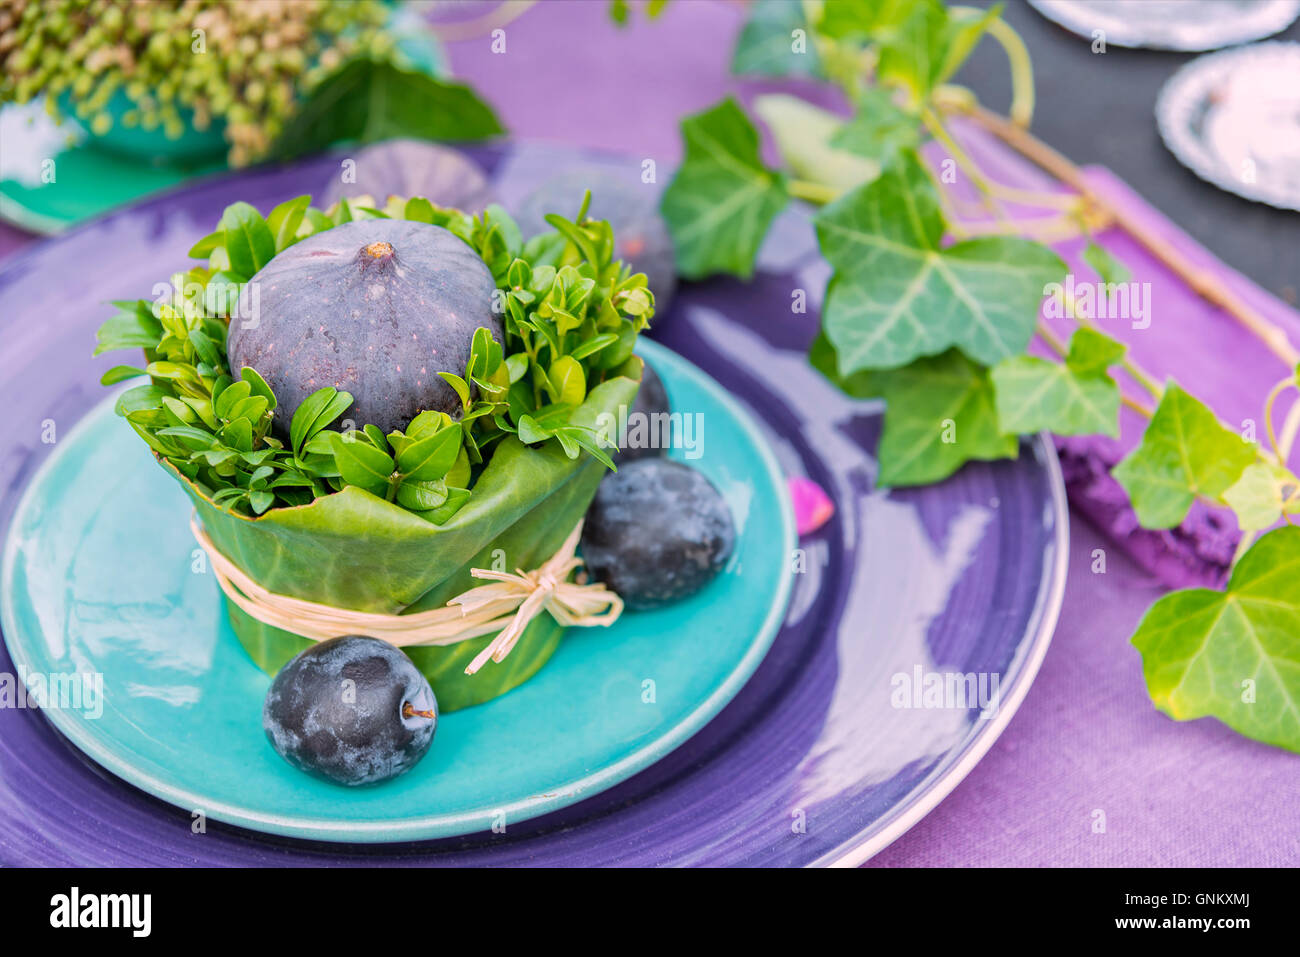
{"points": [[813, 508]]}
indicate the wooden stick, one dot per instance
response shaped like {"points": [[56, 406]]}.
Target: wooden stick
{"points": [[1209, 288]]}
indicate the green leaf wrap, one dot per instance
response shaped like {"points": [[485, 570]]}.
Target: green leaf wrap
{"points": [[354, 550]]}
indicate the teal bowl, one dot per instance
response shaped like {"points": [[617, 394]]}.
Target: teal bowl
{"points": [[193, 146]]}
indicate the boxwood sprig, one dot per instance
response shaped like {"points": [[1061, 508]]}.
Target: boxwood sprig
{"points": [[571, 315]]}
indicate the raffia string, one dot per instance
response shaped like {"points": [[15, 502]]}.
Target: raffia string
{"points": [[506, 605]]}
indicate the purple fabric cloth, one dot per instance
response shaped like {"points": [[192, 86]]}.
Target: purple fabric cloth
{"points": [[1086, 740]]}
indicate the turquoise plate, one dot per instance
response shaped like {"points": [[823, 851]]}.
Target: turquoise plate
{"points": [[101, 576]]}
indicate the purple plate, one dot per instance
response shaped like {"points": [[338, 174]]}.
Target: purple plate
{"points": [[919, 617]]}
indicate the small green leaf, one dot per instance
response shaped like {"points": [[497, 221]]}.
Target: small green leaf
{"points": [[1076, 397], [315, 412], [1200, 648], [531, 432], [419, 210], [203, 248], [568, 384], [939, 415], [231, 396], [1261, 494], [118, 374], [723, 199], [248, 240], [286, 219], [258, 385], [421, 496], [133, 327], [368, 99], [1110, 269], [141, 398], [1184, 453], [456, 499], [189, 436], [460, 386], [517, 365], [238, 434], [1093, 352], [431, 457], [879, 131], [769, 46], [206, 349], [804, 134], [361, 464]]}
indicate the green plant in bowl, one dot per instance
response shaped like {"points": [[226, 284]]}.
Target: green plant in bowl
{"points": [[183, 83], [343, 513]]}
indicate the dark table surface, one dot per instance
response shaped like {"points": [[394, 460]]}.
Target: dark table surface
{"points": [[1100, 108]]}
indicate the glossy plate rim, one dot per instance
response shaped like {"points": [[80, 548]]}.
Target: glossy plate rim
{"points": [[1266, 20], [942, 781], [440, 826]]}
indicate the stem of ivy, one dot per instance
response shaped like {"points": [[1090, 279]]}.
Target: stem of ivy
{"points": [[1269, 403], [1207, 287], [812, 192], [1022, 68], [1290, 429], [968, 165]]}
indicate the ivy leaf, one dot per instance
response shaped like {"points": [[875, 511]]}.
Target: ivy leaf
{"points": [[1199, 647], [804, 134], [368, 99], [1184, 453], [1074, 397], [862, 19], [896, 295], [723, 199], [1110, 269], [766, 44], [939, 415], [1261, 495], [879, 131]]}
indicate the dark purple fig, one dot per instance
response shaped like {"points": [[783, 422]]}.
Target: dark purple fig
{"points": [[444, 176], [374, 307], [632, 209]]}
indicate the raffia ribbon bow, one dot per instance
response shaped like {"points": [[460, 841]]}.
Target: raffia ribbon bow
{"points": [[506, 606]]}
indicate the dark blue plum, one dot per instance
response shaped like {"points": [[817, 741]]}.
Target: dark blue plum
{"points": [[374, 307], [657, 532], [651, 400], [353, 710]]}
